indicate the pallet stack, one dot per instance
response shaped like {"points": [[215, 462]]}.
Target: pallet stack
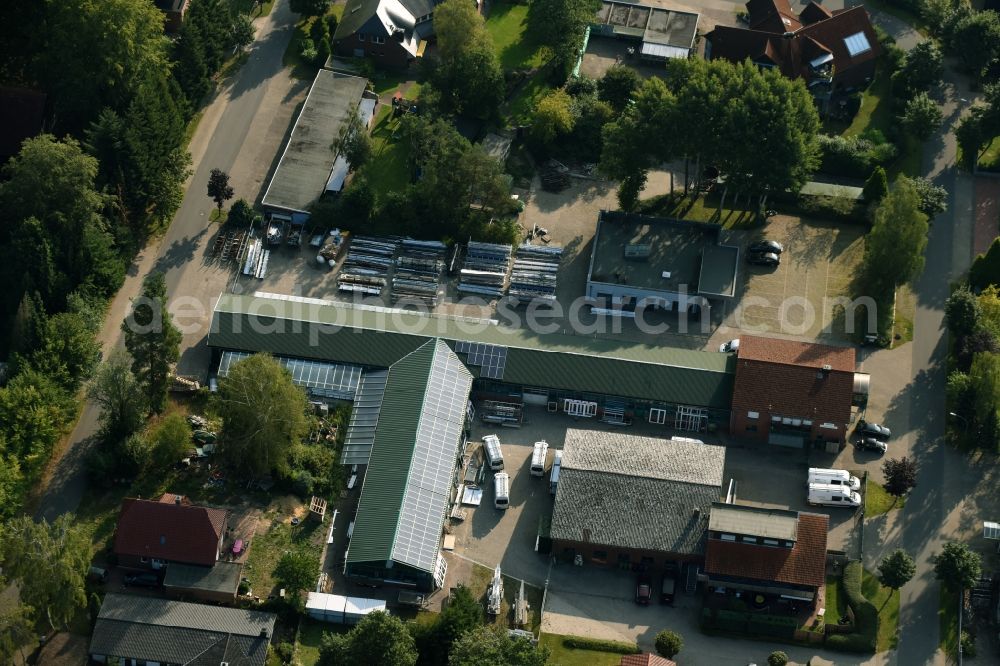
{"points": [[536, 269], [417, 273], [485, 269], [366, 268]]}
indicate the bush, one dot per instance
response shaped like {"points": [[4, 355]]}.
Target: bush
{"points": [[600, 645], [866, 619], [777, 658], [308, 51], [285, 652], [842, 156], [841, 209], [968, 645], [739, 622], [668, 643]]}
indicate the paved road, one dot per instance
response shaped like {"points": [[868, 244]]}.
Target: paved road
{"points": [[240, 132]]}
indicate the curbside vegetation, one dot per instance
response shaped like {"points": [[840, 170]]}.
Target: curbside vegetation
{"points": [[600, 645], [865, 636]]}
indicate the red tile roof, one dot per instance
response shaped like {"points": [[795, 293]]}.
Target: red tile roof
{"points": [[805, 564], [169, 531], [792, 352], [645, 659], [814, 12]]}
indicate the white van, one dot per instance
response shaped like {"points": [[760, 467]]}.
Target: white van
{"points": [[538, 458], [494, 456], [826, 494], [501, 490], [554, 476], [834, 477]]}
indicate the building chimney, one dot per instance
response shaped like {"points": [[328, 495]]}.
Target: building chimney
{"points": [[697, 512], [263, 632]]}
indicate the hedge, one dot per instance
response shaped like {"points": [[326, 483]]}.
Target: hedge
{"points": [[864, 639], [600, 645], [757, 624], [854, 156]]}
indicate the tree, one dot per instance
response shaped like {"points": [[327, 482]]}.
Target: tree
{"points": [[777, 658], [900, 475], [297, 571], [933, 198], [961, 311], [957, 566], [320, 35], [553, 116], [984, 381], [190, 66], [922, 68], [353, 142], [243, 31], [309, 7], [120, 396], [876, 187], [263, 414], [922, 116], [49, 561], [618, 85], [896, 569], [976, 40], [33, 413], [468, 73], [16, 633], [170, 440], [462, 614], [894, 250], [242, 214], [668, 643], [67, 349], [379, 638], [488, 646], [219, 189], [560, 25], [152, 340]]}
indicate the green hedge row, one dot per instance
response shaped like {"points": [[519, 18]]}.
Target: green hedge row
{"points": [[748, 623], [865, 638], [600, 645]]}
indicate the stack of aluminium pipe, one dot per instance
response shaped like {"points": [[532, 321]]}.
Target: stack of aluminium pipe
{"points": [[417, 272], [485, 269], [366, 267], [536, 268]]}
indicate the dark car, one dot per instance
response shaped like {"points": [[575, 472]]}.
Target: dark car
{"points": [[142, 580], [763, 258], [668, 587], [870, 444], [643, 590], [767, 246], [876, 430]]}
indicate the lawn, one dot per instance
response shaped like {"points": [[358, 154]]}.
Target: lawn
{"points": [[948, 621], [480, 581], [506, 25], [252, 8], [878, 501], [280, 538], [700, 209], [560, 655], [388, 169], [310, 637], [886, 601], [835, 599], [990, 159], [521, 105]]}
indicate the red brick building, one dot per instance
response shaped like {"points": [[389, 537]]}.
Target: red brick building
{"points": [[645, 659], [152, 534], [792, 393]]}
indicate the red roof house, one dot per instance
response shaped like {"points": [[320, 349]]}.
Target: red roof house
{"points": [[645, 659], [789, 393], [771, 551], [151, 534], [831, 50]]}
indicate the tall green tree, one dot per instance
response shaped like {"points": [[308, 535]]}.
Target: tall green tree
{"points": [[170, 440], [958, 566], [976, 41], [922, 68], [462, 614], [121, 397], [152, 340], [297, 571], [17, 633], [33, 412], [618, 85], [962, 311], [876, 187], [67, 349], [894, 250], [553, 117], [190, 66], [309, 7], [379, 638], [900, 475], [49, 561], [896, 569], [219, 189], [263, 414], [559, 25], [468, 74], [487, 646], [922, 117]]}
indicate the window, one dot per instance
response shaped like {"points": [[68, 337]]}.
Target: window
{"points": [[753, 415], [749, 539], [361, 36], [728, 537], [144, 559], [657, 415], [857, 44], [751, 428], [376, 39], [770, 542], [600, 556]]}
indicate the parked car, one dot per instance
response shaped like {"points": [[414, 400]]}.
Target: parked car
{"points": [[763, 258], [876, 430], [870, 444], [643, 590], [731, 346], [98, 575], [668, 587], [766, 246], [142, 580]]}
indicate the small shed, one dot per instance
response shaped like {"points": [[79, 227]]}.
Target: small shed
{"points": [[317, 508], [326, 607], [356, 608]]}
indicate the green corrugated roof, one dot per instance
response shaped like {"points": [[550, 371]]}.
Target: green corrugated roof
{"points": [[346, 334], [392, 454]]}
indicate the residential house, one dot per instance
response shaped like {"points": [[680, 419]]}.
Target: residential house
{"points": [[145, 630], [393, 33], [766, 551], [173, 11], [645, 659], [791, 393], [833, 51], [154, 533]]}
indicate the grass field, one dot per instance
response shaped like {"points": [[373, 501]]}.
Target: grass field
{"points": [[948, 620], [835, 599], [878, 501], [886, 601], [388, 169], [481, 579], [990, 159], [507, 24], [268, 547], [560, 655]]}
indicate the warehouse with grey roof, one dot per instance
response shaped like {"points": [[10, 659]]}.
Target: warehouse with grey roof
{"points": [[633, 501]]}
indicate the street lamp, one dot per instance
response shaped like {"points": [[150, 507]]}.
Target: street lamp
{"points": [[965, 422]]}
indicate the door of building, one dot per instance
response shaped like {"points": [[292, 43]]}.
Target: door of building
{"points": [[690, 418]]}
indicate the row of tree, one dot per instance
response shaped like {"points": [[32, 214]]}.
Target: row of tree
{"points": [[974, 384]]}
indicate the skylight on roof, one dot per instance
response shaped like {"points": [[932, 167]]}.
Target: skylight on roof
{"points": [[857, 44]]}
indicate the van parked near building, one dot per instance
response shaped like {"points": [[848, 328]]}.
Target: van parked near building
{"points": [[494, 456], [501, 490], [554, 476], [538, 458], [825, 494], [834, 477]]}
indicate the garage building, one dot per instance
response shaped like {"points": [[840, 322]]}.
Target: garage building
{"points": [[629, 501]]}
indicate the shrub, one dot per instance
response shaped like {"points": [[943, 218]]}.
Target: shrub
{"points": [[865, 616], [285, 652], [854, 156], [600, 645], [968, 645], [777, 658], [668, 643], [308, 51]]}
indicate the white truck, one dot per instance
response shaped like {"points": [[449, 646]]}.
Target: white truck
{"points": [[554, 475], [501, 490], [538, 458], [494, 456], [825, 494], [834, 477]]}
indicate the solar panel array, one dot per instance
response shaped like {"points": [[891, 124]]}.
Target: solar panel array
{"points": [[330, 380], [428, 490], [490, 358], [364, 417]]}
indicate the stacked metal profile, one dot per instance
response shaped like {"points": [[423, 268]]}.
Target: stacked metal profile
{"points": [[417, 274], [366, 267], [535, 272], [485, 269], [256, 260]]}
